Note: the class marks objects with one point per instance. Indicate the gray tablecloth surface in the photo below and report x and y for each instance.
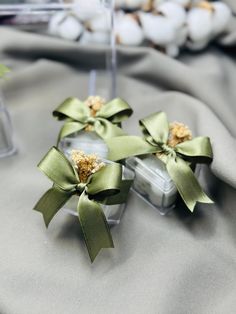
(179, 264)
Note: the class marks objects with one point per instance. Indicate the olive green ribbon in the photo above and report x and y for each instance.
(155, 129)
(78, 117)
(105, 187)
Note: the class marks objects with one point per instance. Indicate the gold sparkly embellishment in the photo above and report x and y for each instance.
(179, 133)
(85, 164)
(95, 103)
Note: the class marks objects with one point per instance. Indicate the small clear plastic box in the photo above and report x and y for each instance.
(113, 213)
(153, 183)
(87, 141)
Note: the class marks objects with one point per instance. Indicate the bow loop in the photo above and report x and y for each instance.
(106, 182)
(198, 150)
(58, 169)
(116, 110)
(157, 126)
(72, 108)
(79, 115)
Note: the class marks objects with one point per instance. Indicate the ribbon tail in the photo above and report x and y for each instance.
(51, 202)
(105, 129)
(94, 226)
(186, 183)
(125, 146)
(69, 128)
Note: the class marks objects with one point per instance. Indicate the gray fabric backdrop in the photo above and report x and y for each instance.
(179, 264)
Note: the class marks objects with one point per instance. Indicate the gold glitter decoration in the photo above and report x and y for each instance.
(85, 164)
(179, 133)
(95, 103)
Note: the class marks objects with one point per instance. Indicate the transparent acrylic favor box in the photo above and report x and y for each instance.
(87, 141)
(113, 213)
(152, 182)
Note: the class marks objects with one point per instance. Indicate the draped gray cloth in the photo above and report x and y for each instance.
(182, 263)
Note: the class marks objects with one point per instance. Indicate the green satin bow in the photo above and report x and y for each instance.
(105, 186)
(78, 117)
(177, 159)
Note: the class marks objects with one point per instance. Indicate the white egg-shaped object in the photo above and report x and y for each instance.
(100, 23)
(221, 17)
(55, 21)
(157, 28)
(87, 9)
(174, 12)
(128, 31)
(199, 23)
(198, 45)
(70, 28)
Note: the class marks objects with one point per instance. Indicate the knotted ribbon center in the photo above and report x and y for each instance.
(91, 120)
(80, 188)
(168, 150)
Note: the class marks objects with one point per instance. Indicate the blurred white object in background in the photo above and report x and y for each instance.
(167, 25)
(174, 12)
(65, 25)
(206, 21)
(221, 17)
(99, 23)
(127, 30)
(157, 29)
(199, 24)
